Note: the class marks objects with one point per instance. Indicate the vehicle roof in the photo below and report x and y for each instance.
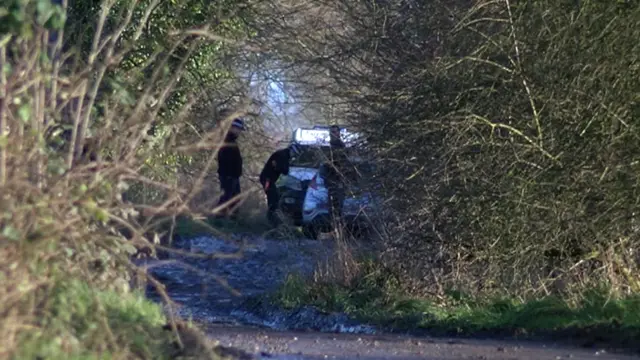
(329, 126)
(319, 136)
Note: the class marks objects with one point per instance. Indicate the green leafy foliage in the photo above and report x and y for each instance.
(16, 15)
(510, 139)
(204, 70)
(83, 317)
(82, 124)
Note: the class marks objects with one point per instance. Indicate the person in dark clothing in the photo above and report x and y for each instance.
(230, 169)
(276, 165)
(335, 141)
(335, 176)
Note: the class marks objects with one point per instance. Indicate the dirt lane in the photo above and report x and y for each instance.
(265, 266)
(303, 346)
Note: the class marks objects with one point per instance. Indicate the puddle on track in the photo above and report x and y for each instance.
(193, 283)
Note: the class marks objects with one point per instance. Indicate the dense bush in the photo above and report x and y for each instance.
(509, 135)
(88, 108)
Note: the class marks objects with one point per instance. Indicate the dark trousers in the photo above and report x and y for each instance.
(336, 194)
(273, 199)
(230, 187)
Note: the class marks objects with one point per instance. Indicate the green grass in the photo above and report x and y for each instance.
(77, 323)
(375, 298)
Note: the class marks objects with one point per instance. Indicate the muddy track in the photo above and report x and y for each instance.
(298, 345)
(263, 267)
(193, 282)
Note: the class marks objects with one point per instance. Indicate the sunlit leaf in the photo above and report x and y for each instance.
(57, 21)
(129, 248)
(45, 10)
(11, 233)
(6, 38)
(24, 112)
(101, 215)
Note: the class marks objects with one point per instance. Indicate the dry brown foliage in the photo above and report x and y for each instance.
(507, 133)
(76, 133)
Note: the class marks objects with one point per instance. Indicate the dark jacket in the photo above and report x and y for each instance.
(338, 163)
(338, 154)
(277, 165)
(230, 159)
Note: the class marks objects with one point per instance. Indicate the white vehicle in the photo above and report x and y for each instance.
(294, 188)
(360, 207)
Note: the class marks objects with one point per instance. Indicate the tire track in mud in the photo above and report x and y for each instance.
(262, 268)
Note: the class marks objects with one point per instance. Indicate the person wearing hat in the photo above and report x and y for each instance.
(276, 165)
(230, 169)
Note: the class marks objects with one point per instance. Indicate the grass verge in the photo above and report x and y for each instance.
(84, 324)
(374, 296)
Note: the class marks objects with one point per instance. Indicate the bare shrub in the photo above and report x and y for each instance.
(506, 133)
(82, 137)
